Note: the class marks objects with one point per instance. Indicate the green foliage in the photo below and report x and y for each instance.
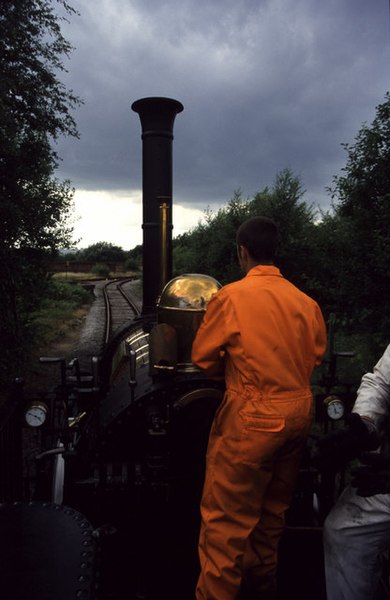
(35, 109)
(69, 255)
(367, 351)
(101, 270)
(362, 208)
(211, 246)
(135, 252)
(22, 285)
(58, 305)
(132, 264)
(296, 254)
(182, 256)
(102, 252)
(74, 294)
(367, 180)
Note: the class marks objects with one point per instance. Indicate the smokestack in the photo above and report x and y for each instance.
(157, 117)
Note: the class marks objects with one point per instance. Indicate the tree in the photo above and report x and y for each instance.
(362, 205)
(296, 255)
(211, 247)
(35, 109)
(103, 252)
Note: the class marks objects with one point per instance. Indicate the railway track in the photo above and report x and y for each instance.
(120, 307)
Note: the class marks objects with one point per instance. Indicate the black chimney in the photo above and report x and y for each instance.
(157, 117)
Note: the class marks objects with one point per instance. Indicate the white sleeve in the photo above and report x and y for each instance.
(373, 395)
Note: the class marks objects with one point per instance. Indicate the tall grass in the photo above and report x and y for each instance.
(50, 320)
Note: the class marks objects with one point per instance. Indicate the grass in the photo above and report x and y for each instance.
(70, 276)
(59, 311)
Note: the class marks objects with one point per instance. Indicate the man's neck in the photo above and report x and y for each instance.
(252, 263)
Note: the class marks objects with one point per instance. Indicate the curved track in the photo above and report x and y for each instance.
(120, 307)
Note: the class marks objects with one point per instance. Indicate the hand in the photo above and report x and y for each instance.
(342, 445)
(373, 477)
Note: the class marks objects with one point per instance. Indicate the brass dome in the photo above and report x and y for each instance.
(181, 306)
(191, 291)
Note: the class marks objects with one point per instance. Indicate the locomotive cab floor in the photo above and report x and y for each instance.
(157, 558)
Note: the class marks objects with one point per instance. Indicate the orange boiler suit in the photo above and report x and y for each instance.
(265, 337)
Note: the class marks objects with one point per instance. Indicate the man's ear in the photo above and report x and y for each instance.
(243, 252)
(243, 258)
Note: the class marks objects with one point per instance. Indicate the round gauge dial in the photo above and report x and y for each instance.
(35, 414)
(335, 408)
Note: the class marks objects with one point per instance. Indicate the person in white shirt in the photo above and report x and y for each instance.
(357, 529)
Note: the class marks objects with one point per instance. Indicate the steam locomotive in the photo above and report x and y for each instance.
(101, 475)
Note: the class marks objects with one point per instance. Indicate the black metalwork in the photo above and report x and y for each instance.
(157, 118)
(47, 552)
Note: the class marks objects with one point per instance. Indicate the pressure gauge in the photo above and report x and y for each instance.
(35, 414)
(334, 407)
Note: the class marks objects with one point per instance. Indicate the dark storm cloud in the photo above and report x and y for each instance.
(265, 85)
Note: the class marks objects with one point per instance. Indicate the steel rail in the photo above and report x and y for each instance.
(134, 306)
(109, 304)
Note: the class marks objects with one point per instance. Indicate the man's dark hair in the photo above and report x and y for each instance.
(259, 235)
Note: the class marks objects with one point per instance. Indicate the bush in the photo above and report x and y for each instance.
(74, 294)
(59, 305)
(132, 264)
(101, 270)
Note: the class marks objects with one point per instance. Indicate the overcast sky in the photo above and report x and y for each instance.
(265, 84)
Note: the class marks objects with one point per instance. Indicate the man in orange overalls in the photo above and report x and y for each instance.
(265, 336)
